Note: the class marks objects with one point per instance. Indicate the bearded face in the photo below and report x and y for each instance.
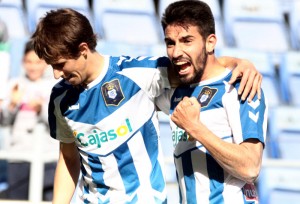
(196, 67)
(187, 51)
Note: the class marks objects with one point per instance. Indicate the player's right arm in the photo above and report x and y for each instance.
(66, 174)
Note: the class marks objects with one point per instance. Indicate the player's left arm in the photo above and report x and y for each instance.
(66, 173)
(251, 79)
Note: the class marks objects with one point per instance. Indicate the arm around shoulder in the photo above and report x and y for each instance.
(251, 78)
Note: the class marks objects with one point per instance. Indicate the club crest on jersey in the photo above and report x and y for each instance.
(206, 95)
(112, 93)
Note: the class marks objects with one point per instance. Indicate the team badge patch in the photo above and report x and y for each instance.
(206, 95)
(112, 93)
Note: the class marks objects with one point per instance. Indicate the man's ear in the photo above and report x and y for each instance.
(211, 41)
(83, 49)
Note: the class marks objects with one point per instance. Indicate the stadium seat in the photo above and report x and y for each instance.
(263, 62)
(279, 183)
(289, 73)
(38, 8)
(284, 132)
(294, 16)
(158, 50)
(16, 51)
(217, 12)
(127, 21)
(256, 25)
(286, 6)
(120, 48)
(12, 13)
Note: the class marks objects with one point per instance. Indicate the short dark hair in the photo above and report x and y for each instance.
(190, 12)
(59, 34)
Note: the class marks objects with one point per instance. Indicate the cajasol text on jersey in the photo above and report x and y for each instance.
(98, 137)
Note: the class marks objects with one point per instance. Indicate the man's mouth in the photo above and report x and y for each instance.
(68, 78)
(183, 67)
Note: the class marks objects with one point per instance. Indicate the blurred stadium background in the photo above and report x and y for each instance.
(267, 32)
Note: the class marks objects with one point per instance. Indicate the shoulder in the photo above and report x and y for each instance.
(140, 62)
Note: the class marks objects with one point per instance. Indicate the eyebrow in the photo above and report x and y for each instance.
(182, 38)
(58, 63)
(167, 39)
(187, 36)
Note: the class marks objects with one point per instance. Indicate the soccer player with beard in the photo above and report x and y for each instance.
(218, 137)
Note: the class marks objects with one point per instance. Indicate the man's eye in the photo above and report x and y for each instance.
(168, 44)
(58, 66)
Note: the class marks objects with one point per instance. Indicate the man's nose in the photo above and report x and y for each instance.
(177, 51)
(57, 73)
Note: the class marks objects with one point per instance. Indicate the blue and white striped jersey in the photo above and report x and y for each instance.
(115, 127)
(201, 179)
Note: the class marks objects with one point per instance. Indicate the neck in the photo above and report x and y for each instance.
(212, 69)
(95, 64)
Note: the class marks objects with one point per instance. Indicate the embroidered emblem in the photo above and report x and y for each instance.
(112, 93)
(206, 95)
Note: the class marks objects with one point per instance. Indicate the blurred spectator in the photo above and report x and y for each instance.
(4, 73)
(4, 58)
(3, 32)
(24, 109)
